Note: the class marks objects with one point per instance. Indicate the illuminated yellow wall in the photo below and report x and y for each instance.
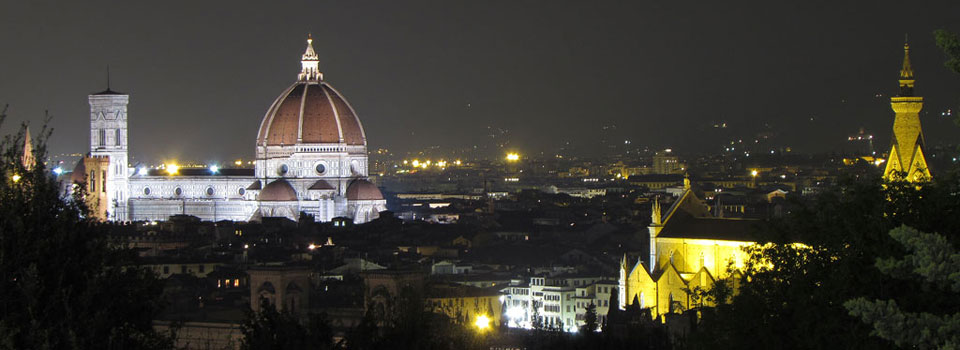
(695, 263)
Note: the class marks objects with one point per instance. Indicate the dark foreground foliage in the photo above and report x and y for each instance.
(61, 285)
(793, 297)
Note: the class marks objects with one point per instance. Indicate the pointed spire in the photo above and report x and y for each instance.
(27, 158)
(655, 217)
(686, 181)
(310, 63)
(906, 73)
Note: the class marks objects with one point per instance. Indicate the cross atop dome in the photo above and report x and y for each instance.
(310, 63)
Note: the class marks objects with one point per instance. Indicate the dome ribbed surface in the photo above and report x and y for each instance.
(310, 112)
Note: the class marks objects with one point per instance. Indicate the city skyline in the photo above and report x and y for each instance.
(660, 74)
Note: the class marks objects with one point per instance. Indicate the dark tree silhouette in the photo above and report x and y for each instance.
(62, 285)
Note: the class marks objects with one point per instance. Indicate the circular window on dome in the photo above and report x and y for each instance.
(178, 191)
(282, 170)
(210, 191)
(321, 168)
(146, 191)
(241, 191)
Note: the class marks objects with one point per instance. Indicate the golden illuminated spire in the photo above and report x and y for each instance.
(310, 63)
(906, 160)
(906, 73)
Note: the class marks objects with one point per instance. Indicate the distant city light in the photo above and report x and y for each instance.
(513, 157)
(58, 171)
(238, 162)
(457, 162)
(415, 163)
(754, 173)
(15, 178)
(172, 168)
(312, 246)
(214, 169)
(142, 171)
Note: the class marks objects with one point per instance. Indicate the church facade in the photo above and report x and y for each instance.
(311, 157)
(689, 249)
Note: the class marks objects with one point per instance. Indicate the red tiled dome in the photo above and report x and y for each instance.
(310, 112)
(363, 190)
(279, 190)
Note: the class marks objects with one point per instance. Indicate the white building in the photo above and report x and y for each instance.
(311, 157)
(561, 301)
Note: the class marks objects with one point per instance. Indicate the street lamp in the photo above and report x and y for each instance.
(482, 322)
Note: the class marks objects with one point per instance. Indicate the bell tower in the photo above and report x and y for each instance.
(108, 139)
(906, 160)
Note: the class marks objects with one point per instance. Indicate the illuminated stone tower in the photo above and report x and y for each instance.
(108, 140)
(906, 152)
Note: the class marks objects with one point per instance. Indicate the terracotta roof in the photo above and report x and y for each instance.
(322, 185)
(310, 112)
(363, 190)
(279, 190)
(256, 185)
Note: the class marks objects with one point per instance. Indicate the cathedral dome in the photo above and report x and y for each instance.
(360, 190)
(279, 190)
(310, 112)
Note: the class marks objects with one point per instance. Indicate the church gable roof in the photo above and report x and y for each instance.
(684, 225)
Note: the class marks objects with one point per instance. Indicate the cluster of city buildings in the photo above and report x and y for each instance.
(517, 243)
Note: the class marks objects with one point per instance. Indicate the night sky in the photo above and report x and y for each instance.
(201, 74)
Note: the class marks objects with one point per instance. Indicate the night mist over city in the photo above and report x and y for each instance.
(502, 175)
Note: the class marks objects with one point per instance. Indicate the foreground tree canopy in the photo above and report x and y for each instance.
(794, 296)
(61, 285)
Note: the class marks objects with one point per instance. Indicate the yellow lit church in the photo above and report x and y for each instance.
(689, 248)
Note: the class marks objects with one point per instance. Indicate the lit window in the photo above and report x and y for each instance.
(236, 282)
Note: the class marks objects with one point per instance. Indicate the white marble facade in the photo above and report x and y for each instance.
(311, 156)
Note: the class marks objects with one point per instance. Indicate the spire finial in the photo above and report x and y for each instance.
(906, 71)
(655, 216)
(108, 77)
(310, 63)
